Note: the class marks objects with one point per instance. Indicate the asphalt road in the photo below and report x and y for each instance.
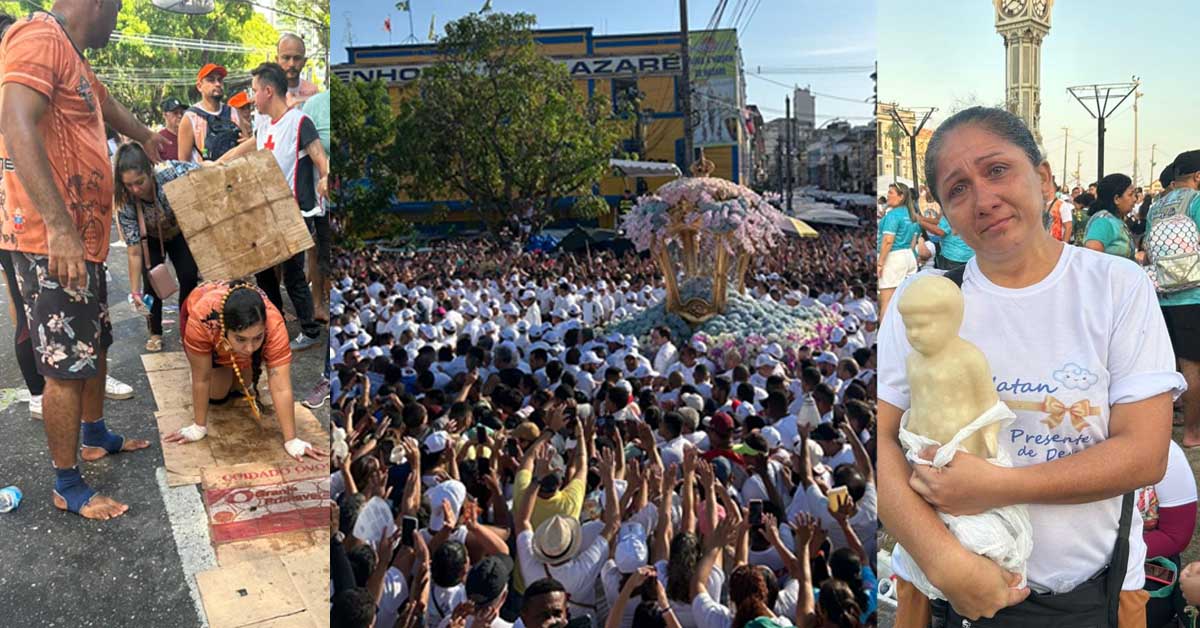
(58, 569)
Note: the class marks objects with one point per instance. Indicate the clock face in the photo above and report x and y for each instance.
(1012, 8)
(1039, 8)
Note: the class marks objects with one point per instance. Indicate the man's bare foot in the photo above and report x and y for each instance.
(91, 454)
(98, 507)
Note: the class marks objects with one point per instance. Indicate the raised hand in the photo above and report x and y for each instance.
(804, 528)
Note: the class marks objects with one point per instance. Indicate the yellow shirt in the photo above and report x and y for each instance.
(568, 502)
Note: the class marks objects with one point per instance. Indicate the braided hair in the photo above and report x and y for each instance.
(241, 308)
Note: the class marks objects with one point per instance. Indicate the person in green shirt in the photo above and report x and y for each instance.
(1106, 229)
(1181, 309)
(897, 231)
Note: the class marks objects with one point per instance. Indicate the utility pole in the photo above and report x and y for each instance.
(912, 140)
(779, 163)
(1102, 110)
(1136, 96)
(787, 103)
(1066, 141)
(685, 87)
(1078, 164)
(1153, 147)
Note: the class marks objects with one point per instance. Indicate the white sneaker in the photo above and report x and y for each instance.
(23, 395)
(114, 389)
(35, 407)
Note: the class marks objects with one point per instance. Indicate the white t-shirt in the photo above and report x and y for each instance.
(683, 610)
(578, 576)
(395, 594)
(1099, 337)
(1177, 488)
(442, 602)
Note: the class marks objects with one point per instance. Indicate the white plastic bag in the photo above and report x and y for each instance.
(1003, 535)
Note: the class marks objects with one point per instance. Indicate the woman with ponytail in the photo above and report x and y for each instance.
(897, 231)
(142, 206)
(230, 330)
(1106, 229)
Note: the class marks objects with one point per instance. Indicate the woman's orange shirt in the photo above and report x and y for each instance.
(202, 333)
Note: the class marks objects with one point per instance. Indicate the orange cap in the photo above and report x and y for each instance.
(209, 68)
(239, 100)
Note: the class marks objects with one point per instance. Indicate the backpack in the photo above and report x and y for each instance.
(222, 135)
(1172, 244)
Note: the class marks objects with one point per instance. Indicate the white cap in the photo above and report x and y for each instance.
(825, 357)
(590, 358)
(352, 328)
(450, 490)
(771, 435)
(631, 552)
(838, 334)
(551, 337)
(427, 331)
(510, 310)
(437, 442)
(527, 295)
(700, 347)
(448, 325)
(489, 327)
(559, 313)
(364, 339)
(508, 333)
(643, 371)
(693, 401)
(765, 359)
(871, 317)
(522, 326)
(375, 352)
(774, 350)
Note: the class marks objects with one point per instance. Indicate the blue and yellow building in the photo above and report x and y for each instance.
(612, 65)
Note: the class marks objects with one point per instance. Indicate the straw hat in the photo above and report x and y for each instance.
(557, 540)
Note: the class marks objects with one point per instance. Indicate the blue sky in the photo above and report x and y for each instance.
(950, 55)
(781, 34)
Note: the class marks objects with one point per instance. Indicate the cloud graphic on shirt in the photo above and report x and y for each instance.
(1075, 377)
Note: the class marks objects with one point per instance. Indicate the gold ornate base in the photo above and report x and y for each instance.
(697, 311)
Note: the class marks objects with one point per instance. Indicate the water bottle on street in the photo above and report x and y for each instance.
(10, 498)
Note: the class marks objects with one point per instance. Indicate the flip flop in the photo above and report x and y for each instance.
(154, 344)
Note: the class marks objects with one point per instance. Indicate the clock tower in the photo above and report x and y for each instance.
(1022, 24)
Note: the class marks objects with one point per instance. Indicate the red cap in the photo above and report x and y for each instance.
(721, 423)
(239, 100)
(209, 68)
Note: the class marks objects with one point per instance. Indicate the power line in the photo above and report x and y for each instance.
(815, 69)
(823, 95)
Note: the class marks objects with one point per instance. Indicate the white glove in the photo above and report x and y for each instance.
(296, 447)
(194, 432)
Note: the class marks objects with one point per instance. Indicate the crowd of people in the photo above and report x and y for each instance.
(499, 458)
(65, 181)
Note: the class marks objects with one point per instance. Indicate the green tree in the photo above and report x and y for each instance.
(363, 133)
(499, 124)
(141, 75)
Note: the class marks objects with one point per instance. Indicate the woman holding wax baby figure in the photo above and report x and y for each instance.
(230, 331)
(1079, 352)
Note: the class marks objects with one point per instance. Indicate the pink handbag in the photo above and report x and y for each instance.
(161, 281)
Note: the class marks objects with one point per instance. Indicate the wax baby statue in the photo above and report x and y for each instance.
(954, 407)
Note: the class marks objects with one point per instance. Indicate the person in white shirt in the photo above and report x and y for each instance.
(484, 593)
(665, 353)
(556, 549)
(1114, 357)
